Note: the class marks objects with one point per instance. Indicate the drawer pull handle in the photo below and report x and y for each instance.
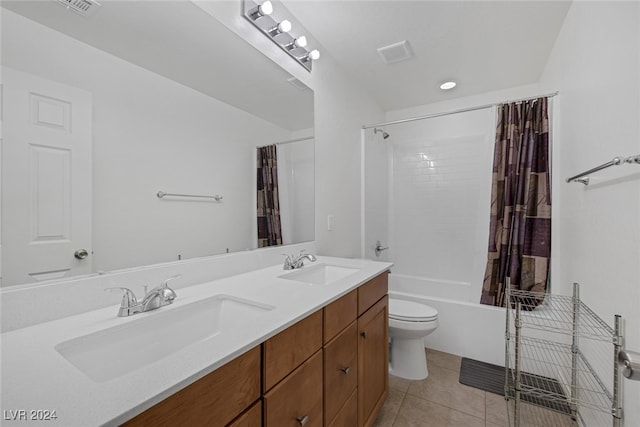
(303, 420)
(346, 370)
(364, 334)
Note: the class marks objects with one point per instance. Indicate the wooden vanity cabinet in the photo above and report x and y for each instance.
(330, 369)
(214, 400)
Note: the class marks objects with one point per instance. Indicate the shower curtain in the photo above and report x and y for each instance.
(269, 228)
(520, 224)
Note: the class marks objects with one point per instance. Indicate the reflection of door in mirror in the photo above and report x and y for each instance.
(47, 158)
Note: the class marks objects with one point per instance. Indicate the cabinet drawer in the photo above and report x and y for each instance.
(348, 415)
(296, 397)
(370, 292)
(339, 314)
(287, 350)
(340, 370)
(213, 400)
(251, 418)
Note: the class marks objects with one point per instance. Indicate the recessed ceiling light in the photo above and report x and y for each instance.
(447, 85)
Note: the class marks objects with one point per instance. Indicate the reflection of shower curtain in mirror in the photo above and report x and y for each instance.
(268, 205)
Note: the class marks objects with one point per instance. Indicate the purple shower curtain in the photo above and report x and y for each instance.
(269, 229)
(520, 225)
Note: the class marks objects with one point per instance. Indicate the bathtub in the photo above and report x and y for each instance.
(466, 328)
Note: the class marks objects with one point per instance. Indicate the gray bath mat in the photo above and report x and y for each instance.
(488, 377)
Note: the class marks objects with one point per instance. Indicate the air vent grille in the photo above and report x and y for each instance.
(82, 7)
(396, 52)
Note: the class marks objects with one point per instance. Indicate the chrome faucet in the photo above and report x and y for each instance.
(292, 262)
(157, 297)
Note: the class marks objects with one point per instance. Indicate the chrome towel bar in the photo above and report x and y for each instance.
(162, 194)
(584, 179)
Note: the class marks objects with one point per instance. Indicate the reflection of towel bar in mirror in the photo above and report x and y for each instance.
(162, 194)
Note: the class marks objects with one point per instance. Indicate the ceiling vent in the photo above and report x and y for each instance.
(82, 7)
(396, 52)
(298, 84)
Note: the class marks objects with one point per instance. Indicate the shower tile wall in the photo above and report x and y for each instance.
(440, 198)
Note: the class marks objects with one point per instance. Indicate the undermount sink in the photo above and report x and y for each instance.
(116, 351)
(320, 274)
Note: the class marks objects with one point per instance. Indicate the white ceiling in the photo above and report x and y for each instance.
(482, 45)
(178, 40)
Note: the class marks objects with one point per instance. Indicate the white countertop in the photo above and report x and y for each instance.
(36, 377)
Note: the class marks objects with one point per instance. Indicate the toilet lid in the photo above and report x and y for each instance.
(411, 311)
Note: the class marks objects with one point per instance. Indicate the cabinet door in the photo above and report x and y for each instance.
(340, 370)
(213, 400)
(297, 400)
(251, 418)
(373, 362)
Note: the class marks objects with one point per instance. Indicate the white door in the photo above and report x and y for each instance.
(46, 179)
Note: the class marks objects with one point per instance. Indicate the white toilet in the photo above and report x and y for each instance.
(409, 323)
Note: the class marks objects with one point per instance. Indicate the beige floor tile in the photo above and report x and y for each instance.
(443, 360)
(416, 412)
(531, 416)
(442, 387)
(390, 408)
(399, 384)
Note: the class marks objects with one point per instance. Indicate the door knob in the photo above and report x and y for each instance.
(81, 254)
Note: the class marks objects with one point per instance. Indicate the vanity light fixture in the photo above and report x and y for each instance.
(263, 17)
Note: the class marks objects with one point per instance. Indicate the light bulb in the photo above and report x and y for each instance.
(301, 41)
(264, 9)
(314, 54)
(284, 26)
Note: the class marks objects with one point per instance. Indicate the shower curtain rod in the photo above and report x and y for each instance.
(291, 141)
(462, 110)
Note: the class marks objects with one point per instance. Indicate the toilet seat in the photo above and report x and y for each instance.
(410, 311)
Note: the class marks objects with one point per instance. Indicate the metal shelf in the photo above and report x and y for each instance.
(554, 313)
(549, 369)
(547, 380)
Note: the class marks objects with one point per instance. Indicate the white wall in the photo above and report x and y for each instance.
(151, 134)
(595, 65)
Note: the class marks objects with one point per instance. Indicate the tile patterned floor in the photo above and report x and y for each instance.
(441, 401)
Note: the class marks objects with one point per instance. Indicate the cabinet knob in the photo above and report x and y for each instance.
(363, 334)
(346, 370)
(303, 420)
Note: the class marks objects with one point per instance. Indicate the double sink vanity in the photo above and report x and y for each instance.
(303, 347)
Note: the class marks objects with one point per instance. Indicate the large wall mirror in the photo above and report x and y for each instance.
(101, 112)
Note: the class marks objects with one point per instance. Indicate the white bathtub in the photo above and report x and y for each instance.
(468, 329)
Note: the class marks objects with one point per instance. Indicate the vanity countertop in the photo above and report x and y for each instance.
(35, 377)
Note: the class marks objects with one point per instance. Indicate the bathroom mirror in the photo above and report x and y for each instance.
(171, 100)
